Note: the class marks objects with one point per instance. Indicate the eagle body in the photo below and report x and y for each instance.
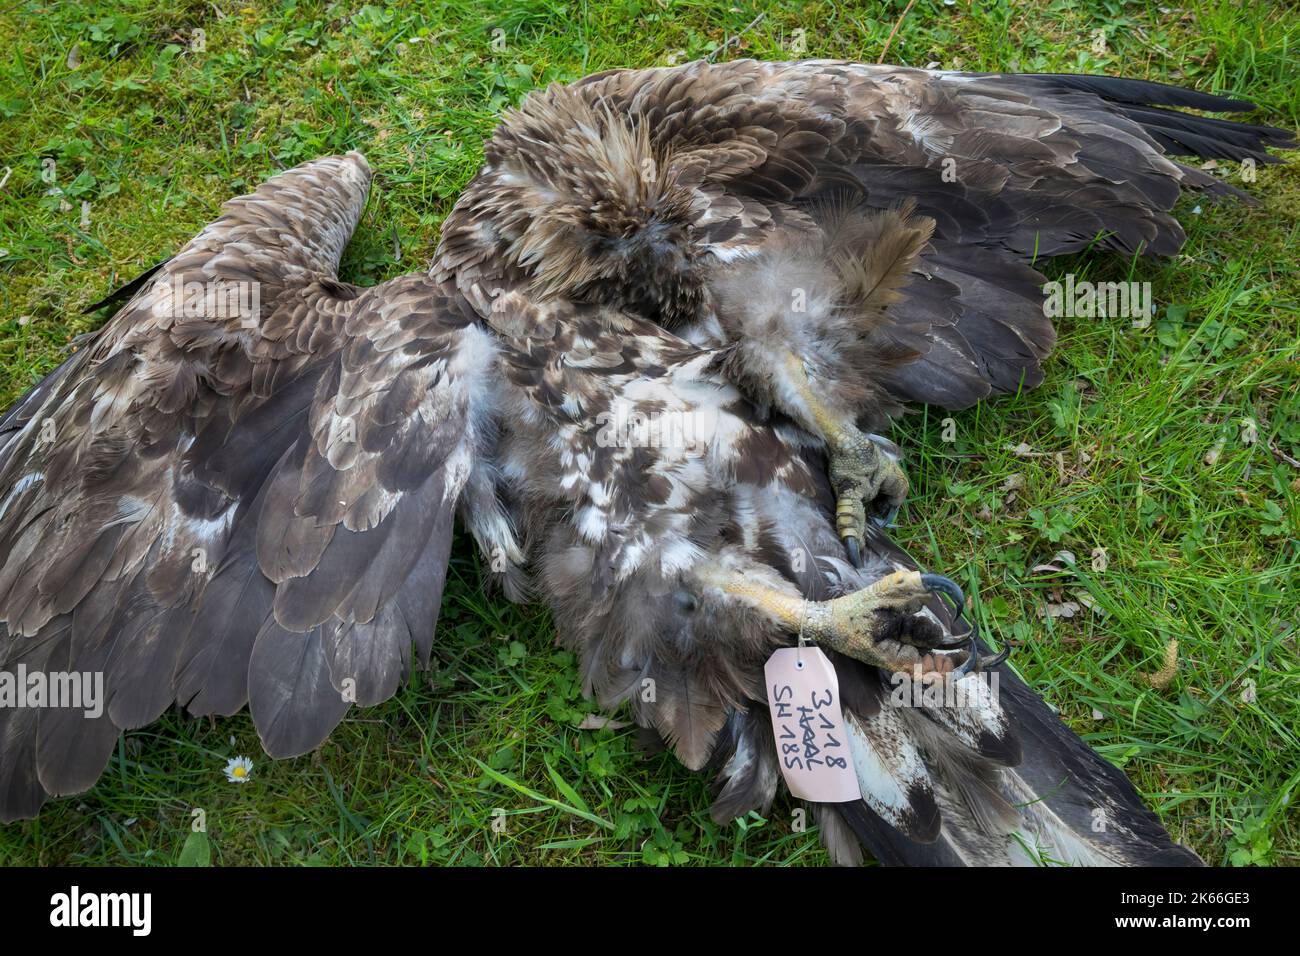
(656, 320)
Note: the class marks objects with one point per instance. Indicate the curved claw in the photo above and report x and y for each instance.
(886, 520)
(969, 664)
(974, 663)
(942, 585)
(996, 659)
(945, 585)
(957, 643)
(855, 551)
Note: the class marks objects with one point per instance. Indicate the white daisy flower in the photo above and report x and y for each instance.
(239, 769)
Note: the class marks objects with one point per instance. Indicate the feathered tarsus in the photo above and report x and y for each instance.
(773, 254)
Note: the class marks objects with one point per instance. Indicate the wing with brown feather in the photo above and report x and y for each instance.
(683, 178)
(218, 509)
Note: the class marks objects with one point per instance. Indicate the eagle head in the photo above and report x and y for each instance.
(591, 210)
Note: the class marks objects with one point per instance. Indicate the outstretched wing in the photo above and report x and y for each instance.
(1009, 168)
(241, 491)
(1039, 164)
(661, 184)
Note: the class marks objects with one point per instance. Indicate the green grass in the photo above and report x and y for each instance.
(155, 136)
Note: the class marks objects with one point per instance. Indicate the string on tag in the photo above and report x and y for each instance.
(803, 641)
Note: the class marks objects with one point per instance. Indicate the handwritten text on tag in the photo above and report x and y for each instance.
(803, 694)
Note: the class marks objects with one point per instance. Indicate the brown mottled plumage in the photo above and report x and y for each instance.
(220, 510)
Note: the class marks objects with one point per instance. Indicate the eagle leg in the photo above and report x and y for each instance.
(866, 478)
(866, 481)
(878, 624)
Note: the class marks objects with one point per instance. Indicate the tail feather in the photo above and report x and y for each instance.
(893, 775)
(1086, 805)
(744, 761)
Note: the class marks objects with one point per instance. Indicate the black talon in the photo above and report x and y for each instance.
(969, 664)
(854, 550)
(973, 663)
(941, 585)
(976, 663)
(957, 643)
(996, 659)
(887, 519)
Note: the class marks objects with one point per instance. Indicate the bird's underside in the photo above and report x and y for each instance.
(645, 369)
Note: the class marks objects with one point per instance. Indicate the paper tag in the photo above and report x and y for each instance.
(812, 745)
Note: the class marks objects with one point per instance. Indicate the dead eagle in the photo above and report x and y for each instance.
(255, 505)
